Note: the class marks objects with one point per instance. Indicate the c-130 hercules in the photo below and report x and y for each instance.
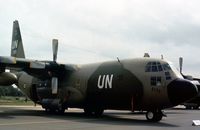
(144, 84)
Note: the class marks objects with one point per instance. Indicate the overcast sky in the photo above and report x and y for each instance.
(100, 30)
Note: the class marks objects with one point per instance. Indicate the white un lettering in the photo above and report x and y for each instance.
(105, 81)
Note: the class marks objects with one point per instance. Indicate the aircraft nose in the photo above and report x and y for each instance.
(181, 90)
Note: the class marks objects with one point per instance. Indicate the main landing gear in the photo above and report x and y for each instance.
(154, 115)
(53, 106)
(56, 111)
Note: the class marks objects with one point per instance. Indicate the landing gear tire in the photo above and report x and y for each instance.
(60, 110)
(97, 112)
(154, 116)
(55, 111)
(196, 107)
(188, 107)
(48, 110)
(87, 111)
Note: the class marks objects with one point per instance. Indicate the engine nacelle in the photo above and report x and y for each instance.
(7, 78)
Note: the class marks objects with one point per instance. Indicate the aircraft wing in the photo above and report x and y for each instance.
(39, 69)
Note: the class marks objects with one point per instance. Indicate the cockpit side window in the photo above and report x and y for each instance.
(159, 66)
(166, 67)
(153, 67)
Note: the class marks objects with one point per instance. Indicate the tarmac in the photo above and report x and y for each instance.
(35, 118)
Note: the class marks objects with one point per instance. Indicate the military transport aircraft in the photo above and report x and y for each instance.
(146, 84)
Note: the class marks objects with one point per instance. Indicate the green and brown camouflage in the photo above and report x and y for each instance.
(140, 84)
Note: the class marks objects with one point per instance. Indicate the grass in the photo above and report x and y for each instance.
(9, 100)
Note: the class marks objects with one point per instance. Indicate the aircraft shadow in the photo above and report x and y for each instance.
(109, 118)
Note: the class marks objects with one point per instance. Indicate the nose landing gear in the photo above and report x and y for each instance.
(154, 115)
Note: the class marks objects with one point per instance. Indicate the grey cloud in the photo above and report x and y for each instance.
(90, 30)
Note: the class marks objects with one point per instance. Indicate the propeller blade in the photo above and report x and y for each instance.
(54, 85)
(55, 49)
(181, 64)
(198, 79)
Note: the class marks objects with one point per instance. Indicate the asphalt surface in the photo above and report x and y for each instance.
(35, 118)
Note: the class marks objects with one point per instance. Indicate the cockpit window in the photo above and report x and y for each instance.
(166, 67)
(153, 67)
(175, 70)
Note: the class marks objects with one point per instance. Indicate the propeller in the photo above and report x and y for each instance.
(189, 77)
(55, 49)
(54, 79)
(181, 69)
(52, 67)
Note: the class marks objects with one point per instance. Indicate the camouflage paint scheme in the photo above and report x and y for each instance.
(121, 84)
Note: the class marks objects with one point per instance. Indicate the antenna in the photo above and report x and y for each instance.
(162, 57)
(119, 62)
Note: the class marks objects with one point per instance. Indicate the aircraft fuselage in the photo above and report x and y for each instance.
(133, 84)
